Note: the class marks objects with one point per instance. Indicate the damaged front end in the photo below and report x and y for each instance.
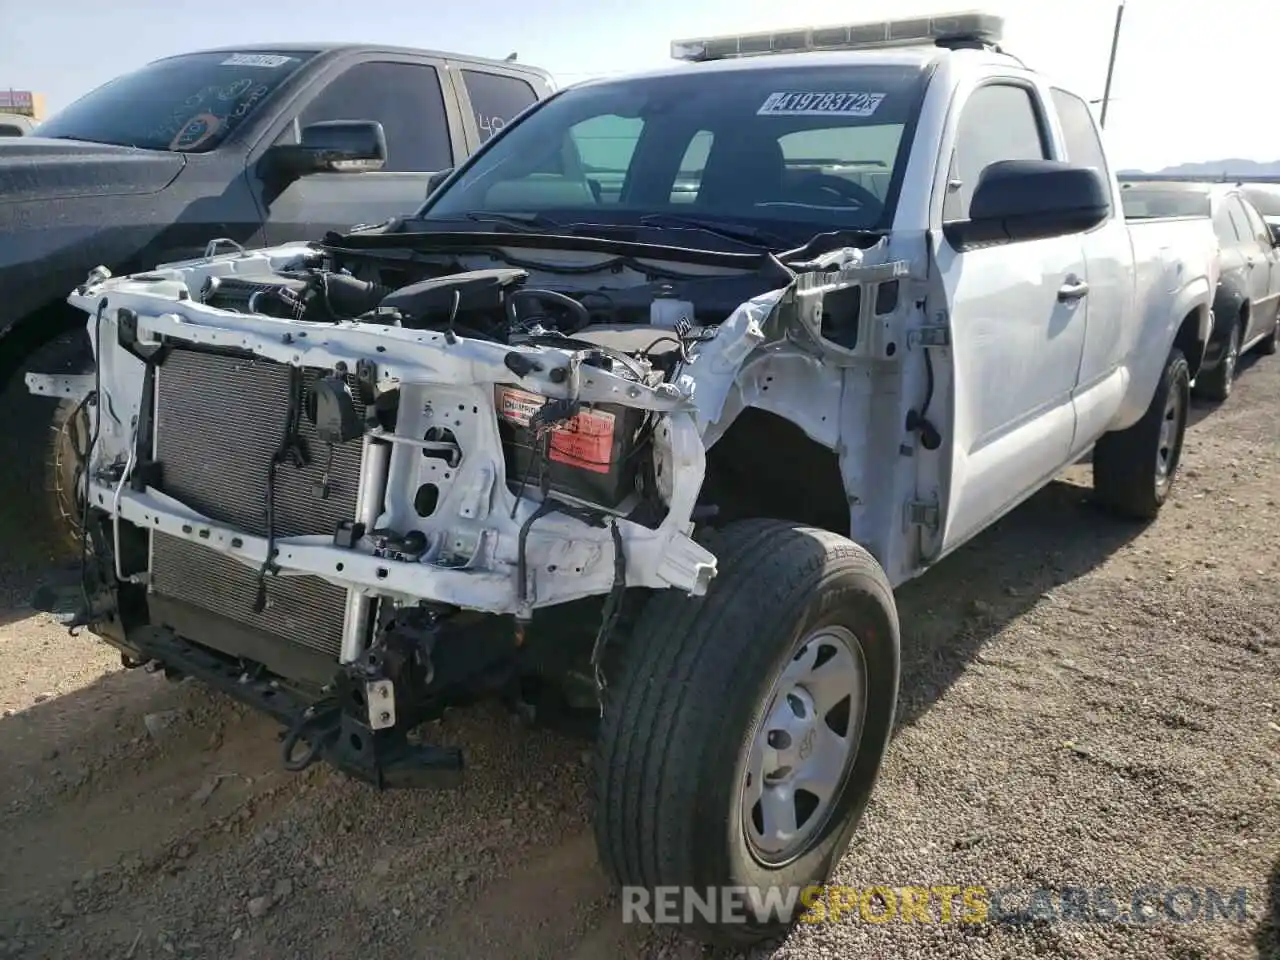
(316, 473)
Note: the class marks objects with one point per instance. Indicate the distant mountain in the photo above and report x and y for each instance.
(1219, 168)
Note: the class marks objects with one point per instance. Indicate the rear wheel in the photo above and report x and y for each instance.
(1217, 383)
(745, 729)
(1272, 343)
(1134, 469)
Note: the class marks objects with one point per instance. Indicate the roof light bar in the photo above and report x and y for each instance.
(970, 25)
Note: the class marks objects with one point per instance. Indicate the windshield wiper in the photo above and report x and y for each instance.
(533, 222)
(742, 234)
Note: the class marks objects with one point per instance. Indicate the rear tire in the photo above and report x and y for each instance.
(1217, 383)
(1269, 346)
(1134, 469)
(721, 706)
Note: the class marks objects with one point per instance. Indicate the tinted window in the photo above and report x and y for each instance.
(189, 103)
(495, 99)
(1257, 226)
(1224, 225)
(780, 146)
(1084, 147)
(1266, 199)
(412, 117)
(999, 122)
(1143, 202)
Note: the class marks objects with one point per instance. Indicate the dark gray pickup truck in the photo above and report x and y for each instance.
(252, 145)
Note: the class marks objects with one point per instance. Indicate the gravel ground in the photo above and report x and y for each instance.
(1084, 703)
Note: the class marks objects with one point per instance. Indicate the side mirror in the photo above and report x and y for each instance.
(1031, 200)
(434, 181)
(333, 146)
(1275, 233)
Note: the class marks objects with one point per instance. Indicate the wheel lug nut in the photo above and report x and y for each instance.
(779, 739)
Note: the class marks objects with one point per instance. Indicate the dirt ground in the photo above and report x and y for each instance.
(1085, 702)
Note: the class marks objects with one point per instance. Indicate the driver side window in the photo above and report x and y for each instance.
(413, 120)
(605, 146)
(1000, 121)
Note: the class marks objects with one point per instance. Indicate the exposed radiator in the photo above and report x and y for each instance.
(219, 421)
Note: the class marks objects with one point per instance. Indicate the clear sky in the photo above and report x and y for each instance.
(1194, 81)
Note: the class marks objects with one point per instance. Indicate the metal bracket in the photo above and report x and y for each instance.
(923, 513)
(381, 697)
(930, 335)
(72, 387)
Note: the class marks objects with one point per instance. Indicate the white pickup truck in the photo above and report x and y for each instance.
(656, 400)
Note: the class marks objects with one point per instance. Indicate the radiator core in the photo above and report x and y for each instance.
(219, 421)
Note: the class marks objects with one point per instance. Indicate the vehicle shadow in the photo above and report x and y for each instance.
(1201, 408)
(951, 611)
(1267, 937)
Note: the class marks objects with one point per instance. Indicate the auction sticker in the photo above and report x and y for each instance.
(793, 103)
(585, 441)
(256, 60)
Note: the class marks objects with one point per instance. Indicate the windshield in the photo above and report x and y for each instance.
(1266, 199)
(189, 103)
(798, 151)
(1143, 202)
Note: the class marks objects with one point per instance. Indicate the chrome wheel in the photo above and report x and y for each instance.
(805, 744)
(1167, 449)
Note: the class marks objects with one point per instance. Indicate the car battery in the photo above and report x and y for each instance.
(589, 457)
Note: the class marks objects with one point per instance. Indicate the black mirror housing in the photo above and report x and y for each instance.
(1275, 233)
(1030, 200)
(333, 146)
(437, 178)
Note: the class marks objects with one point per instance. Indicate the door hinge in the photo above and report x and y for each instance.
(923, 513)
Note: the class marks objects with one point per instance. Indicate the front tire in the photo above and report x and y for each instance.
(62, 447)
(771, 697)
(1217, 383)
(1134, 469)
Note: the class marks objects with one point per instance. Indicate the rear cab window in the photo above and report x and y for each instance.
(1152, 201)
(1080, 133)
(496, 99)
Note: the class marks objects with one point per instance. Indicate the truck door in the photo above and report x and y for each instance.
(1017, 318)
(1108, 249)
(415, 105)
(1264, 272)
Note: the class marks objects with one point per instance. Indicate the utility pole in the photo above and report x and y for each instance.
(1111, 64)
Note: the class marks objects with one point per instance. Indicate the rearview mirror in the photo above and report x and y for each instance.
(436, 179)
(1030, 200)
(333, 146)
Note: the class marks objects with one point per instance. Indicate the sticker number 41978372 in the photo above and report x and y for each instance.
(834, 103)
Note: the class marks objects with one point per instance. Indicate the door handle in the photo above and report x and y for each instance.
(1073, 289)
(1249, 261)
